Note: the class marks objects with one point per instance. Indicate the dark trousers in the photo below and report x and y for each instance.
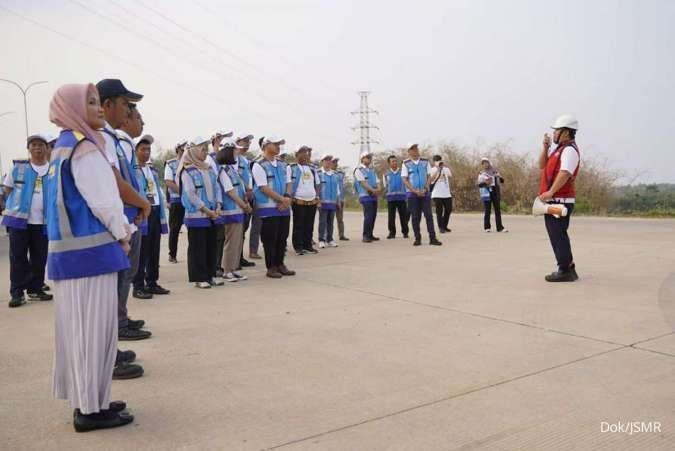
(303, 225)
(201, 253)
(369, 216)
(392, 207)
(176, 215)
(220, 244)
(443, 211)
(495, 200)
(274, 235)
(560, 240)
(27, 259)
(148, 261)
(125, 279)
(419, 206)
(339, 216)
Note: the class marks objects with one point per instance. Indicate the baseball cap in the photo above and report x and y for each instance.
(484, 159)
(39, 136)
(336, 159)
(112, 87)
(145, 138)
(49, 138)
(222, 132)
(273, 139)
(229, 142)
(411, 145)
(197, 140)
(365, 154)
(326, 157)
(181, 143)
(241, 136)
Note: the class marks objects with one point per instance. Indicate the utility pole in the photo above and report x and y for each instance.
(24, 91)
(364, 126)
(2, 173)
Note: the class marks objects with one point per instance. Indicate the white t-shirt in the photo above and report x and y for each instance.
(259, 174)
(151, 188)
(307, 185)
(569, 160)
(404, 169)
(225, 181)
(358, 175)
(110, 148)
(442, 187)
(212, 163)
(36, 214)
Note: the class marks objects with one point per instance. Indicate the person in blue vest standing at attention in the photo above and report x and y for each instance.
(416, 175)
(340, 210)
(202, 201)
(367, 188)
(273, 205)
(395, 195)
(329, 193)
(235, 207)
(176, 210)
(559, 170)
(304, 184)
(155, 226)
(24, 217)
(116, 101)
(243, 143)
(88, 241)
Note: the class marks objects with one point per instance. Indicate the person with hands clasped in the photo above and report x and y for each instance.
(368, 189)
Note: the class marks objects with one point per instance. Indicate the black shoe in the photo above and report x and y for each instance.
(105, 419)
(311, 250)
(142, 294)
(447, 230)
(375, 238)
(344, 238)
(573, 269)
(441, 230)
(156, 289)
(417, 242)
(367, 240)
(405, 235)
(246, 264)
(40, 296)
(300, 252)
(17, 301)
(126, 370)
(125, 357)
(172, 259)
(135, 324)
(114, 406)
(391, 236)
(435, 242)
(560, 276)
(128, 334)
(46, 287)
(284, 271)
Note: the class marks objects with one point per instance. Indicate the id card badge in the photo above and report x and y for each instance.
(151, 199)
(38, 186)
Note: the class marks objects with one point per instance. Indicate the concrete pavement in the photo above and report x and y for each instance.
(388, 346)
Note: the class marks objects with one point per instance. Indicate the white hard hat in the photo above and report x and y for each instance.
(566, 121)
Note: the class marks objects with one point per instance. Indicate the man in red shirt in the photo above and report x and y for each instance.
(560, 167)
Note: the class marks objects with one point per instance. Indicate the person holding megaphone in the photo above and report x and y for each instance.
(559, 166)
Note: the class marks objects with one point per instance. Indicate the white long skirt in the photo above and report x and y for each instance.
(86, 340)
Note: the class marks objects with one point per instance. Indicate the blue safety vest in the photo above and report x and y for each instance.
(231, 212)
(127, 171)
(395, 188)
(193, 216)
(276, 180)
(329, 190)
(417, 175)
(244, 168)
(371, 180)
(174, 198)
(341, 185)
(79, 244)
(162, 206)
(18, 204)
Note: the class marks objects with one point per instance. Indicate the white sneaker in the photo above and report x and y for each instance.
(488, 230)
(230, 277)
(332, 244)
(217, 282)
(202, 285)
(239, 275)
(322, 244)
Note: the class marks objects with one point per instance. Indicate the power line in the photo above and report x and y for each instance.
(364, 126)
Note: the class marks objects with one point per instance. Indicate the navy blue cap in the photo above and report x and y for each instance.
(112, 87)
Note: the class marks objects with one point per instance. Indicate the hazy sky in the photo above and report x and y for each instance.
(466, 71)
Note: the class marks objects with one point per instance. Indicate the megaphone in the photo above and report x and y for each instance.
(540, 208)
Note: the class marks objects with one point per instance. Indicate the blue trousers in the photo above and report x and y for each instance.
(369, 215)
(326, 219)
(418, 206)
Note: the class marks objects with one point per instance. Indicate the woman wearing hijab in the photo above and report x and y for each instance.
(489, 181)
(201, 198)
(88, 242)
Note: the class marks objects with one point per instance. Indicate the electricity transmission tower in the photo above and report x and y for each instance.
(364, 126)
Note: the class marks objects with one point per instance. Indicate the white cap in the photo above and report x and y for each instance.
(241, 136)
(148, 138)
(197, 140)
(229, 142)
(39, 136)
(326, 156)
(181, 143)
(222, 132)
(566, 121)
(365, 154)
(273, 139)
(484, 159)
(49, 138)
(411, 145)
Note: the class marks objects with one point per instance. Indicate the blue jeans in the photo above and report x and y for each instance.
(369, 216)
(326, 218)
